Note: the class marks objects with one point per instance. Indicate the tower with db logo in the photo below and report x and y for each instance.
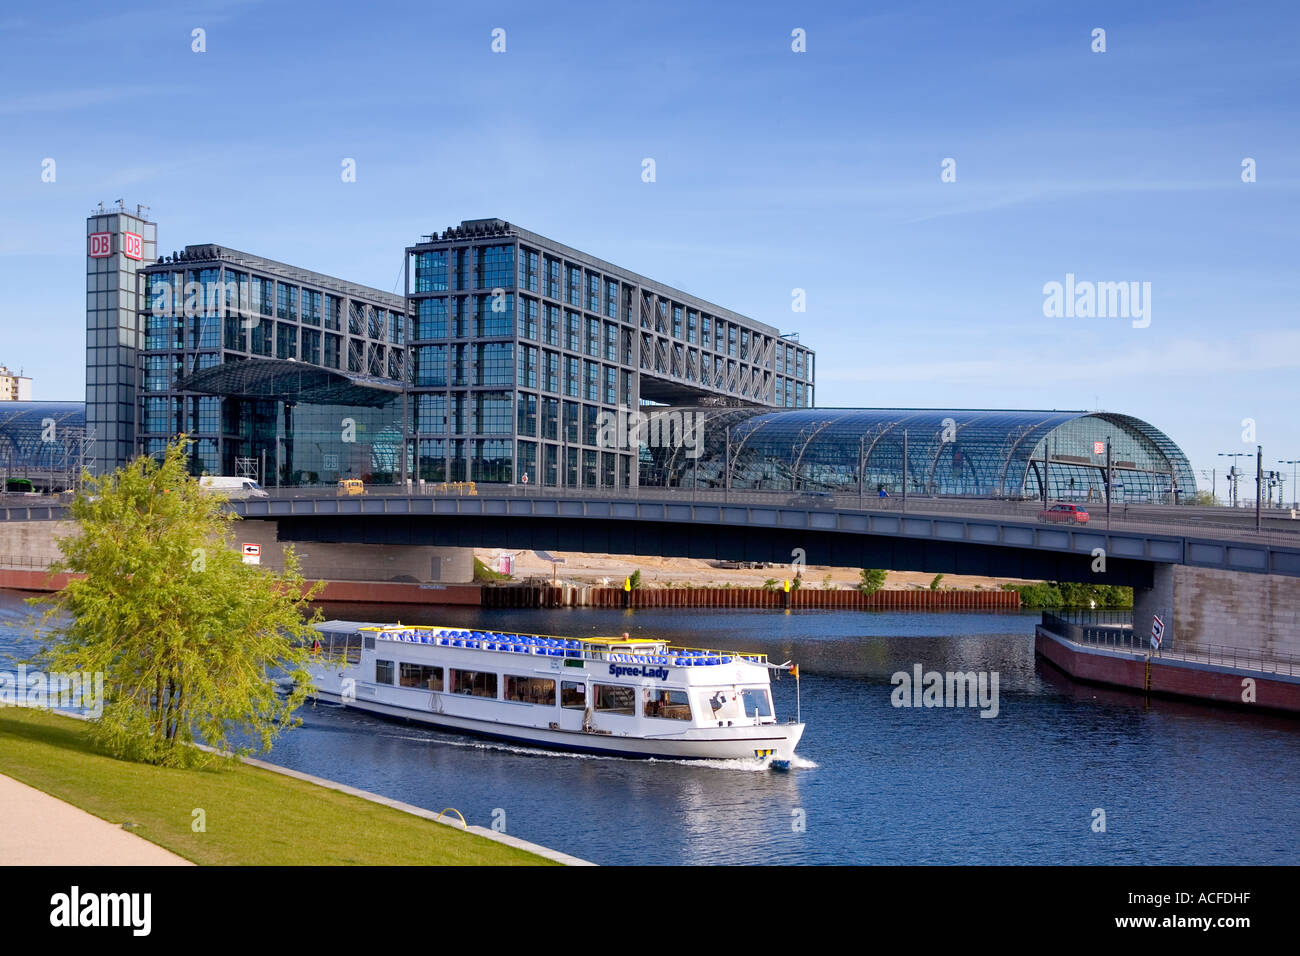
(118, 244)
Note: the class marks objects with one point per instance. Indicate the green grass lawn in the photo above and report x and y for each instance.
(254, 816)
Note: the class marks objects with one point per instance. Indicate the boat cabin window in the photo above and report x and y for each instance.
(573, 694)
(421, 675)
(615, 699)
(383, 672)
(667, 704)
(474, 683)
(530, 690)
(757, 702)
(720, 704)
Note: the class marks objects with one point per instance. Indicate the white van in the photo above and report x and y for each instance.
(242, 488)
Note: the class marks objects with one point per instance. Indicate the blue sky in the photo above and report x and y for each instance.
(775, 170)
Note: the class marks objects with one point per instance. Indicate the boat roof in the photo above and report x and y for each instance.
(346, 627)
(596, 644)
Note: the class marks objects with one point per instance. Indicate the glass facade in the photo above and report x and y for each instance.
(564, 324)
(948, 452)
(276, 372)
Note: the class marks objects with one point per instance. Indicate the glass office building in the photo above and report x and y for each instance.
(983, 453)
(277, 372)
(521, 344)
(503, 361)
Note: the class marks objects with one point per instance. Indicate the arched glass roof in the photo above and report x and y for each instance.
(997, 453)
(41, 437)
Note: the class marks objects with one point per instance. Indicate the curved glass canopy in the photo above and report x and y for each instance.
(972, 452)
(42, 438)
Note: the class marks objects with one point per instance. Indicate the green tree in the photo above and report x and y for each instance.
(872, 580)
(934, 584)
(188, 637)
(634, 580)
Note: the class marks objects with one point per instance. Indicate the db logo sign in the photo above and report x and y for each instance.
(132, 246)
(101, 245)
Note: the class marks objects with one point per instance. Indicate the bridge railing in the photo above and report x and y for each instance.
(26, 561)
(1182, 520)
(1174, 520)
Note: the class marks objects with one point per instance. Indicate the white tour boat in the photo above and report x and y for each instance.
(620, 696)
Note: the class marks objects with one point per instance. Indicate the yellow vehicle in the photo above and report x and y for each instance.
(351, 486)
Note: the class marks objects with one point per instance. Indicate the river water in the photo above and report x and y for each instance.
(1177, 782)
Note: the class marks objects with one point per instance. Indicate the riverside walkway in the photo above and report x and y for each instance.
(41, 830)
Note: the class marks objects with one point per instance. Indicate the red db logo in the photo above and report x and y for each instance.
(132, 246)
(101, 245)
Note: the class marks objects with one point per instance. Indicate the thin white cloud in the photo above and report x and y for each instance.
(61, 101)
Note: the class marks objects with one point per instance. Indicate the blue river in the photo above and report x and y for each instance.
(1178, 783)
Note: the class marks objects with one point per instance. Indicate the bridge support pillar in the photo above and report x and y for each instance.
(1258, 613)
(1157, 599)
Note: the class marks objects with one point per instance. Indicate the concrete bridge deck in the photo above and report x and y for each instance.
(778, 522)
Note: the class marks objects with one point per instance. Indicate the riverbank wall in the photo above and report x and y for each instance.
(1192, 673)
(554, 596)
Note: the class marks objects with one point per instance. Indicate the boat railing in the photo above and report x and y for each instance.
(331, 647)
(569, 648)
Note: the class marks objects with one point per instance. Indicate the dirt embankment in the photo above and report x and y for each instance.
(611, 569)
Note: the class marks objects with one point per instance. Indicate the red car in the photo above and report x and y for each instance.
(1071, 513)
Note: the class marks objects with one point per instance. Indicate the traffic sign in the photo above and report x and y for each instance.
(252, 553)
(1157, 631)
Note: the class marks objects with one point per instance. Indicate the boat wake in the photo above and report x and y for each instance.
(748, 765)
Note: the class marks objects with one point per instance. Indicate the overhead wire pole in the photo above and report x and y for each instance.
(904, 469)
(1295, 494)
(726, 484)
(1045, 468)
(1259, 485)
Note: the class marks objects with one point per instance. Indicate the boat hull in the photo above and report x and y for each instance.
(774, 742)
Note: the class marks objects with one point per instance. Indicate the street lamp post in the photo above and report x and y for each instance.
(1110, 478)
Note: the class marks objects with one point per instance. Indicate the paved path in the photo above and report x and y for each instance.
(37, 829)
